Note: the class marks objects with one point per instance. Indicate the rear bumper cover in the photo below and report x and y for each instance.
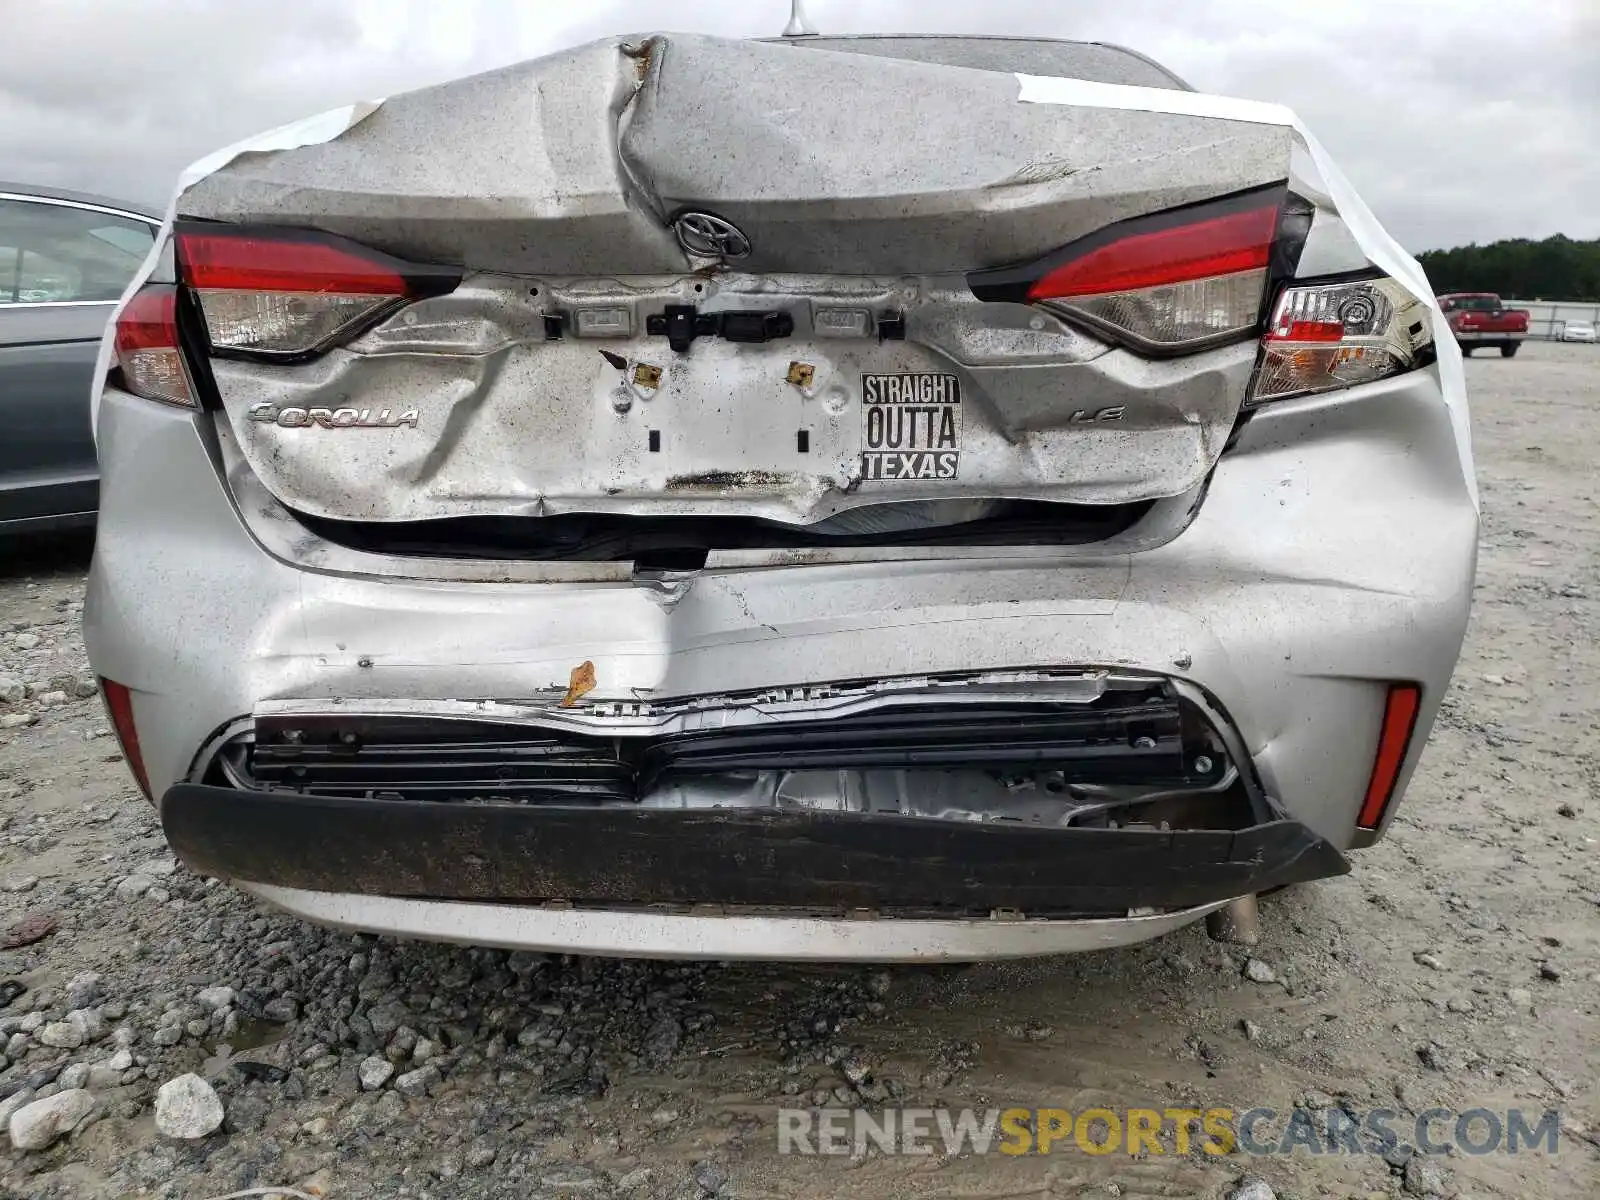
(819, 863)
(1333, 553)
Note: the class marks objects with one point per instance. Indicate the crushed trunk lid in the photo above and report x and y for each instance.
(831, 359)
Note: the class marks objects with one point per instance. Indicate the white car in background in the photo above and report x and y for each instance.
(1578, 331)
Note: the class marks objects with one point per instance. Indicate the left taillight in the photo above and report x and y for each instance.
(147, 349)
(273, 293)
(1170, 283)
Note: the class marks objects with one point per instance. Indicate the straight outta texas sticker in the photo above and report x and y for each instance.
(910, 426)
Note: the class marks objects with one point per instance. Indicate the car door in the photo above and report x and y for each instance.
(63, 264)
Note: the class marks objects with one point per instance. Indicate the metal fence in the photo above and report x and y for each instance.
(1548, 318)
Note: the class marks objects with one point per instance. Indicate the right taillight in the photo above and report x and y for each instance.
(1169, 283)
(1324, 336)
(276, 293)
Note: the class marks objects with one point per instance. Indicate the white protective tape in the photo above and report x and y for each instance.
(323, 127)
(1382, 251)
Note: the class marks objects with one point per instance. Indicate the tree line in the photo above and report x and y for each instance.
(1556, 268)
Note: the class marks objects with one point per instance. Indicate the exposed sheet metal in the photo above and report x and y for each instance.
(644, 716)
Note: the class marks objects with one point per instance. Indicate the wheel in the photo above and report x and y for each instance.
(1508, 351)
(1466, 351)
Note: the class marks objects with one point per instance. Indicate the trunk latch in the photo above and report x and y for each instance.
(681, 324)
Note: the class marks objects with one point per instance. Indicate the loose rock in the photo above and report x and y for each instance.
(214, 999)
(134, 886)
(188, 1108)
(1259, 972)
(374, 1072)
(418, 1082)
(83, 989)
(1424, 1176)
(709, 1178)
(17, 1100)
(61, 1035)
(282, 1009)
(34, 1126)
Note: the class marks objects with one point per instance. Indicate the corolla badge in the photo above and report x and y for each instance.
(333, 418)
(708, 235)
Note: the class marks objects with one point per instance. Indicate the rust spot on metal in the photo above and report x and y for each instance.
(801, 374)
(580, 684)
(641, 53)
(647, 375)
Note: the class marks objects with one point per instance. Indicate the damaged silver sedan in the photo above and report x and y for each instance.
(883, 498)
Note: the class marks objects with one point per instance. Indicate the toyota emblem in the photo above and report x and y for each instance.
(710, 236)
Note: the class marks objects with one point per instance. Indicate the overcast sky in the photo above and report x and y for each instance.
(1458, 120)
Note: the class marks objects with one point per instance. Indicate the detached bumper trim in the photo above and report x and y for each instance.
(830, 862)
(760, 938)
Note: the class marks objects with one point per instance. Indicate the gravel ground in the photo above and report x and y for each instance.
(1457, 966)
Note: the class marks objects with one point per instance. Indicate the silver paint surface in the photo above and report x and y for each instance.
(1286, 575)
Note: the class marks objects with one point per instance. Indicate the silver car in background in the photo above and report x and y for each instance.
(882, 498)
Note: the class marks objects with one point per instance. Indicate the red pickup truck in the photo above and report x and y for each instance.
(1480, 319)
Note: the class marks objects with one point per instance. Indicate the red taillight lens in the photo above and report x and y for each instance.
(1394, 739)
(146, 344)
(119, 707)
(287, 293)
(1219, 246)
(255, 263)
(1169, 283)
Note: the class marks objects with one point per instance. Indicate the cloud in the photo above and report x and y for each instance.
(1458, 120)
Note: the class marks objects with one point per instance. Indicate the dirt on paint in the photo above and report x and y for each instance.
(1458, 966)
